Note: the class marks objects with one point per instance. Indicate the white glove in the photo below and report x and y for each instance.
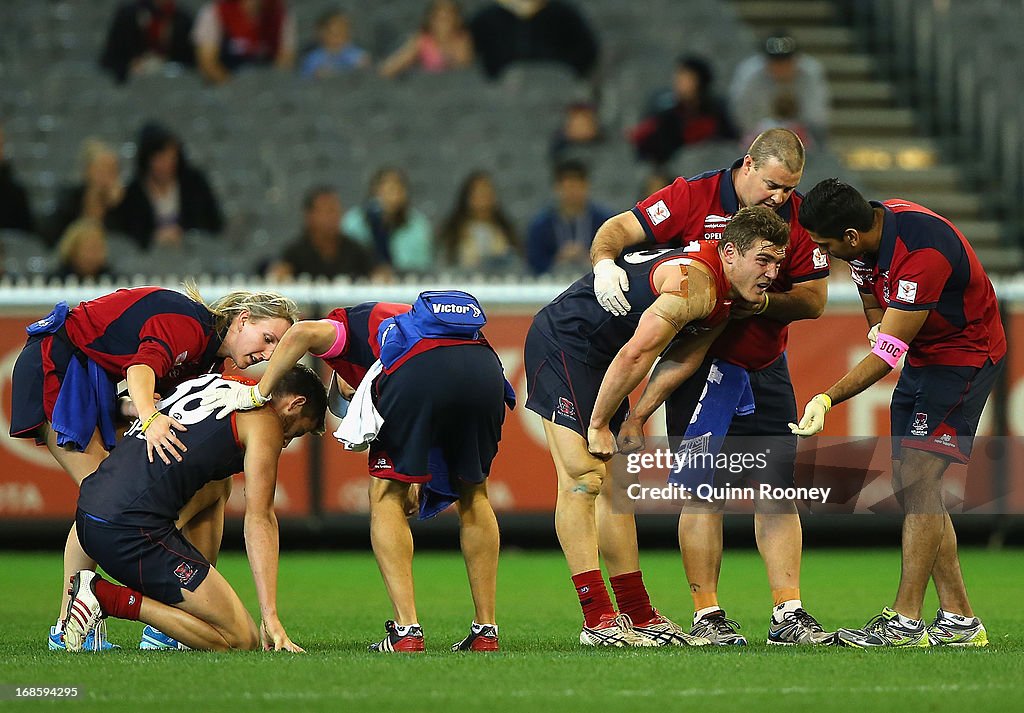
(814, 416)
(610, 282)
(233, 396)
(873, 335)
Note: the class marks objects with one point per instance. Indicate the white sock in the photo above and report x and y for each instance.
(959, 618)
(59, 626)
(788, 606)
(477, 628)
(908, 622)
(701, 613)
(403, 630)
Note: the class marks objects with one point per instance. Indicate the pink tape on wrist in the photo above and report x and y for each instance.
(889, 349)
(339, 342)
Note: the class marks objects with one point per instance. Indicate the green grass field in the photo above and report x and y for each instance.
(334, 605)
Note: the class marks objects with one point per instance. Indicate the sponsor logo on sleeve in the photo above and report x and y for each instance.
(906, 291)
(658, 213)
(820, 260)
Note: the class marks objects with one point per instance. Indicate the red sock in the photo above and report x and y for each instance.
(117, 601)
(593, 596)
(632, 597)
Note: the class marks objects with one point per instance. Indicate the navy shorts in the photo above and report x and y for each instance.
(561, 389)
(937, 408)
(35, 383)
(449, 399)
(157, 561)
(764, 431)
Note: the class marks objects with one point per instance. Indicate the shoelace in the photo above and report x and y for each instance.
(722, 624)
(624, 622)
(99, 635)
(805, 620)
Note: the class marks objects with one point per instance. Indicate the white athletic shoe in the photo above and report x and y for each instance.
(614, 630)
(84, 612)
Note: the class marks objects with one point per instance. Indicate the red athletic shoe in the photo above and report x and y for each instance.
(482, 637)
(411, 642)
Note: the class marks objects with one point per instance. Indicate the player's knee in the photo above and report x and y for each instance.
(244, 637)
(588, 484)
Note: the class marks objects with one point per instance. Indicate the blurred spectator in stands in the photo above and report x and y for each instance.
(560, 235)
(786, 115)
(780, 70)
(15, 213)
(477, 235)
(579, 133)
(98, 196)
(144, 35)
(322, 250)
(82, 251)
(687, 114)
(654, 182)
(510, 31)
(334, 52)
(442, 43)
(230, 34)
(167, 196)
(398, 234)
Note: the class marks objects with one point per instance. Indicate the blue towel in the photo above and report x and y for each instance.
(726, 393)
(87, 401)
(440, 492)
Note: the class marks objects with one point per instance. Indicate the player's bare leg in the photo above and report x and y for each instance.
(202, 518)
(392, 543)
(79, 466)
(616, 528)
(479, 538)
(919, 485)
(700, 543)
(780, 542)
(580, 477)
(949, 580)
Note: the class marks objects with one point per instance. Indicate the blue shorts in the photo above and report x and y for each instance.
(561, 389)
(764, 431)
(937, 408)
(157, 561)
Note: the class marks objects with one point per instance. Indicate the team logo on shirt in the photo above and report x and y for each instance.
(714, 226)
(658, 213)
(906, 291)
(920, 427)
(180, 359)
(820, 260)
(185, 572)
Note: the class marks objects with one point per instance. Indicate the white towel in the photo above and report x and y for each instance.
(362, 423)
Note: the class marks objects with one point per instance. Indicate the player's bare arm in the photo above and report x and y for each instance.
(686, 294)
(610, 280)
(158, 428)
(898, 327)
(677, 364)
(314, 336)
(805, 300)
(873, 313)
(261, 434)
(617, 233)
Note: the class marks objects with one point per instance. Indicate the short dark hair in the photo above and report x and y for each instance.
(571, 168)
(755, 223)
(329, 14)
(324, 189)
(833, 206)
(300, 380)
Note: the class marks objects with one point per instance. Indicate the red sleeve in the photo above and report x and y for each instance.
(806, 260)
(665, 214)
(917, 278)
(166, 340)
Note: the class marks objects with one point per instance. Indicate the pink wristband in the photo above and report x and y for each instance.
(889, 349)
(339, 342)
